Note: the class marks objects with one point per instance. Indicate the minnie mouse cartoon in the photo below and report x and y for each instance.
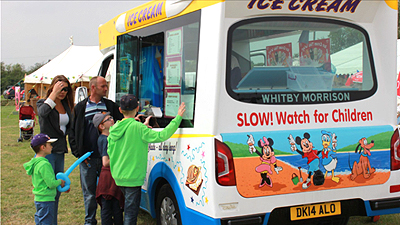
(267, 158)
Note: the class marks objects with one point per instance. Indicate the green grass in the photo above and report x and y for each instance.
(17, 207)
(380, 142)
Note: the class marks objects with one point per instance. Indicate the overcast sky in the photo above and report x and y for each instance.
(36, 31)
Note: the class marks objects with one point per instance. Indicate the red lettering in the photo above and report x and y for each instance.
(254, 119)
(281, 118)
(254, 123)
(245, 120)
(263, 119)
(239, 117)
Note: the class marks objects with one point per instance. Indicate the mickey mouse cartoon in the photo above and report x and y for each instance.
(267, 158)
(307, 152)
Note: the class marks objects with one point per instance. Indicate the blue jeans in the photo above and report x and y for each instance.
(57, 162)
(89, 175)
(132, 204)
(111, 212)
(44, 213)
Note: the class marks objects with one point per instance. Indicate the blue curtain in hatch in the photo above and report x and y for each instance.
(153, 80)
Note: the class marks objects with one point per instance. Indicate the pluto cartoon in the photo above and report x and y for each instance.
(363, 166)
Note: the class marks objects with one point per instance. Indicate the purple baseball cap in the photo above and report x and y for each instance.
(40, 139)
(129, 102)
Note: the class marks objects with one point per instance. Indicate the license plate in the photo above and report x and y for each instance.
(315, 210)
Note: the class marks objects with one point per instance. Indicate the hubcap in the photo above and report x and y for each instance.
(168, 214)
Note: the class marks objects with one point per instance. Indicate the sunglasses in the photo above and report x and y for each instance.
(65, 89)
(108, 119)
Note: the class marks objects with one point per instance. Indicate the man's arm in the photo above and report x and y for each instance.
(71, 136)
(117, 114)
(113, 108)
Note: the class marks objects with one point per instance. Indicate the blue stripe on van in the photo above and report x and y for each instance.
(188, 216)
(371, 212)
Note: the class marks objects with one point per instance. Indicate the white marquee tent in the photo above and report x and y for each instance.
(77, 63)
(347, 61)
(398, 56)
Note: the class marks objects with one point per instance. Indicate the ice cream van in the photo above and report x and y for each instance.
(291, 107)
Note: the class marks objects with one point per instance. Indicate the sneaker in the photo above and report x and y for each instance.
(307, 183)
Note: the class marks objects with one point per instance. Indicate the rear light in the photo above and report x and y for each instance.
(394, 188)
(225, 170)
(395, 151)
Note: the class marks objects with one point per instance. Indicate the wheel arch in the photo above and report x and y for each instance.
(162, 174)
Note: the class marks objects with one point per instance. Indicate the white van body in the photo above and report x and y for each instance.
(304, 132)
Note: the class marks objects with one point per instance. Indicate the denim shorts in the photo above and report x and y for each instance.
(44, 213)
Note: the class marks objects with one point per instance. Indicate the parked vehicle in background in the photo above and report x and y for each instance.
(9, 93)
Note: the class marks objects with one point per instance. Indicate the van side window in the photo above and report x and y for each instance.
(160, 67)
(298, 61)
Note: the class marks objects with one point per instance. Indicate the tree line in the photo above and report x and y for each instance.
(13, 74)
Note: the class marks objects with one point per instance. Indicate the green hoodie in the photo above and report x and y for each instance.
(128, 147)
(43, 179)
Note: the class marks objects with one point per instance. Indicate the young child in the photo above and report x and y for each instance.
(108, 194)
(128, 148)
(43, 179)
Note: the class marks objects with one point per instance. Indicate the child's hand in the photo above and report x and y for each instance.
(62, 183)
(137, 118)
(182, 109)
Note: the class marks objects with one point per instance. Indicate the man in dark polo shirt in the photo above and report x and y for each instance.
(83, 139)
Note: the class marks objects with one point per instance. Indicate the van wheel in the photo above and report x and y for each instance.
(167, 207)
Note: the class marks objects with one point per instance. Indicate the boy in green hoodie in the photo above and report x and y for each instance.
(43, 179)
(128, 147)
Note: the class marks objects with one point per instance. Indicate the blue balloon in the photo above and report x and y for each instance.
(64, 176)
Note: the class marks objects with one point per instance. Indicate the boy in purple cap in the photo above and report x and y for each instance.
(43, 179)
(128, 147)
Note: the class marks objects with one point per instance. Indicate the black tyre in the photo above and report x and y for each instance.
(167, 207)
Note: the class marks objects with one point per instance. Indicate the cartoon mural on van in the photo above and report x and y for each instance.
(363, 166)
(329, 159)
(313, 161)
(301, 174)
(267, 158)
(194, 178)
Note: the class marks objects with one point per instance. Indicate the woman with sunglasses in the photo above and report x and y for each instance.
(54, 120)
